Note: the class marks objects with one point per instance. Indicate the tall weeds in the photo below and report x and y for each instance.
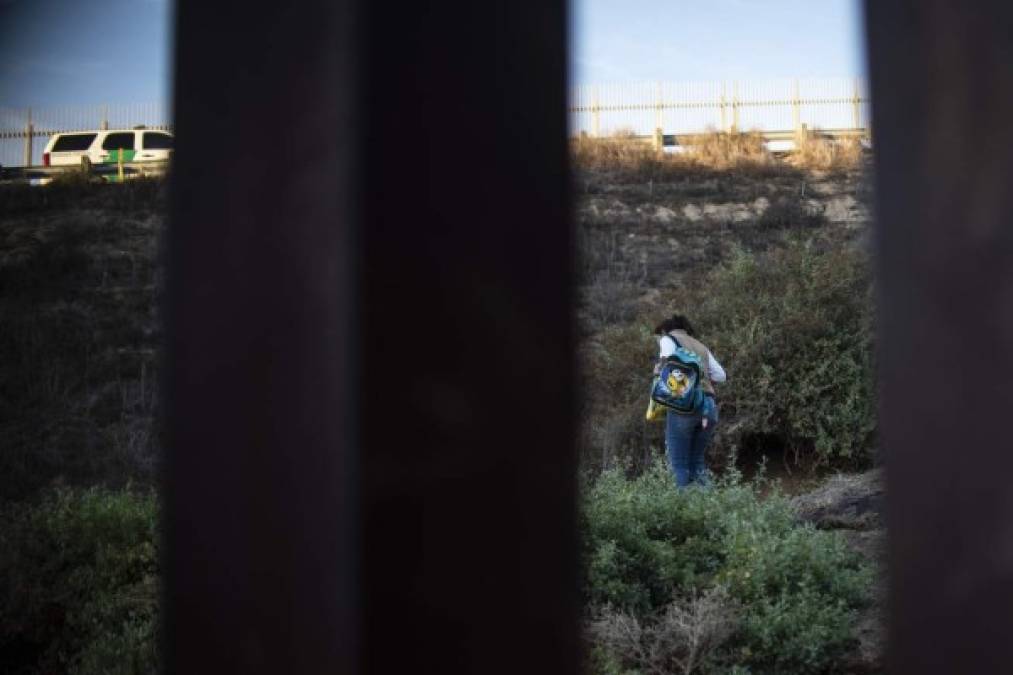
(625, 154)
(731, 150)
(814, 151)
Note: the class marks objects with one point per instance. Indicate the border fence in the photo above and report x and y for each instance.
(25, 131)
(771, 106)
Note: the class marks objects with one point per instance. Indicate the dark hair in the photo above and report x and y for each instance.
(676, 322)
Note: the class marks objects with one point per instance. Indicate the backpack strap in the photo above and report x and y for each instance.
(664, 359)
(672, 338)
(700, 368)
(661, 359)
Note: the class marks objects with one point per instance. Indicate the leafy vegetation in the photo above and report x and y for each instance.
(712, 580)
(79, 583)
(796, 326)
(793, 327)
(696, 581)
(78, 406)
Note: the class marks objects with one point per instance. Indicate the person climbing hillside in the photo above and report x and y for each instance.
(688, 434)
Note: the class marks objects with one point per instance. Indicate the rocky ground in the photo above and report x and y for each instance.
(680, 226)
(853, 505)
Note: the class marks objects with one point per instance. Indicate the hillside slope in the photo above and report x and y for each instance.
(650, 248)
(79, 331)
(658, 237)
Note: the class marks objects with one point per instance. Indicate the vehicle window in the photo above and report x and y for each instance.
(121, 141)
(154, 140)
(70, 142)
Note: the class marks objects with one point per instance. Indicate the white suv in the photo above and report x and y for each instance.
(105, 146)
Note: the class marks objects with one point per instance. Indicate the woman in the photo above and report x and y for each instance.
(687, 436)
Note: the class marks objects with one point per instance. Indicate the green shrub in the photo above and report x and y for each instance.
(793, 328)
(655, 555)
(79, 583)
(615, 367)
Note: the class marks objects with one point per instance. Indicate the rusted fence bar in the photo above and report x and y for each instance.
(261, 481)
(945, 253)
(345, 492)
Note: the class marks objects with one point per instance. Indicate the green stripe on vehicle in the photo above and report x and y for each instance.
(114, 156)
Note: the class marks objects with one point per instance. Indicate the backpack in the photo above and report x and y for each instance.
(678, 385)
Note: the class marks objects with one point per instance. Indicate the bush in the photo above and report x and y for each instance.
(820, 152)
(794, 330)
(788, 213)
(792, 327)
(683, 639)
(79, 583)
(615, 368)
(717, 152)
(731, 150)
(767, 593)
(610, 280)
(50, 257)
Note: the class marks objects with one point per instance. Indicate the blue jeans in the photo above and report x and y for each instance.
(686, 443)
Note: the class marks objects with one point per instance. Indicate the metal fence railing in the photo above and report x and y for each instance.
(694, 107)
(25, 131)
(598, 110)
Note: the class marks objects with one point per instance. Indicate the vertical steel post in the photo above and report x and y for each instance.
(29, 133)
(735, 107)
(595, 113)
(944, 244)
(261, 470)
(856, 101)
(312, 522)
(722, 104)
(796, 109)
(658, 108)
(441, 565)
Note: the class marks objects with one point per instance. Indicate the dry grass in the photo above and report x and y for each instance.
(79, 327)
(730, 150)
(815, 151)
(622, 150)
(681, 640)
(624, 154)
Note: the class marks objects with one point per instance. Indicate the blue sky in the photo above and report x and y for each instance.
(57, 52)
(649, 40)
